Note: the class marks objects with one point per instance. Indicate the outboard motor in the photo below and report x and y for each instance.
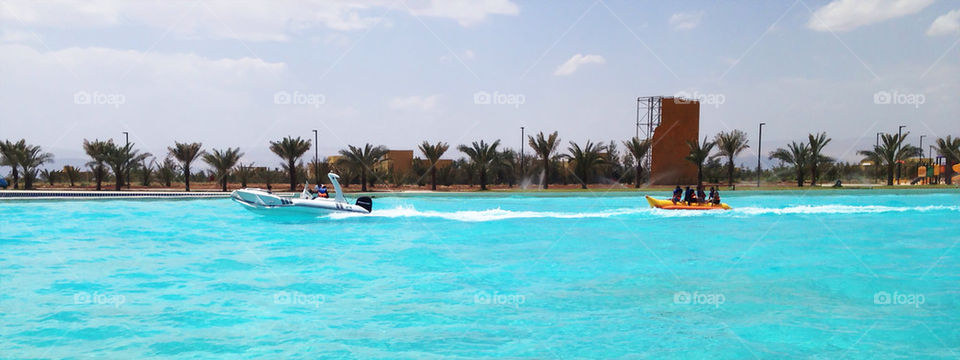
(365, 202)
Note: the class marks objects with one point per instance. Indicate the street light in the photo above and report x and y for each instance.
(316, 158)
(521, 153)
(878, 138)
(899, 143)
(759, 144)
(921, 146)
(126, 140)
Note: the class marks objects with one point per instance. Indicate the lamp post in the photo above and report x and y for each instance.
(921, 146)
(316, 158)
(899, 143)
(759, 145)
(126, 142)
(521, 152)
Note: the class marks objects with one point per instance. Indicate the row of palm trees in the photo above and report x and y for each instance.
(581, 161)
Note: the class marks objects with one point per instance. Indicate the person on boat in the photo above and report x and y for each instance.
(701, 196)
(689, 195)
(677, 194)
(322, 191)
(715, 198)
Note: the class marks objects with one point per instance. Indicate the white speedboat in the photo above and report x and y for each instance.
(263, 201)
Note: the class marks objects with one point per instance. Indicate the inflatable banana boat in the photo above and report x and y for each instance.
(669, 205)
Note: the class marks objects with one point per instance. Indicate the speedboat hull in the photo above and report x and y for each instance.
(264, 202)
(669, 205)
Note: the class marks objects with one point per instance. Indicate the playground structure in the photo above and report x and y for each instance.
(935, 172)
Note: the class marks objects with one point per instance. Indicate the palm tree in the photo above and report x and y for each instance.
(146, 171)
(10, 154)
(949, 147)
(244, 172)
(362, 160)
(166, 171)
(72, 174)
(290, 150)
(817, 142)
(120, 159)
(97, 150)
(699, 152)
(584, 160)
(31, 158)
(797, 154)
(51, 175)
(545, 147)
(185, 153)
(482, 155)
(222, 163)
(729, 145)
(891, 151)
(638, 149)
(433, 154)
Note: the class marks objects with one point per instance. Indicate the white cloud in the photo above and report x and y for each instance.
(946, 24)
(414, 103)
(226, 19)
(685, 21)
(576, 61)
(167, 97)
(845, 15)
(19, 37)
(467, 12)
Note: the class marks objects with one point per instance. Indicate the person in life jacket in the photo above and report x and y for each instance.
(677, 194)
(701, 196)
(689, 195)
(714, 196)
(322, 191)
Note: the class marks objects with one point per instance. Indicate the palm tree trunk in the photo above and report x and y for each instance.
(16, 177)
(890, 175)
(119, 183)
(186, 176)
(546, 173)
(483, 178)
(224, 182)
(700, 174)
(363, 180)
(636, 184)
(949, 172)
(799, 177)
(813, 175)
(433, 177)
(98, 173)
(293, 174)
(730, 171)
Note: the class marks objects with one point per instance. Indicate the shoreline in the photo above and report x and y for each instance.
(77, 194)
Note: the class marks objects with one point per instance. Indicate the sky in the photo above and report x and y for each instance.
(242, 73)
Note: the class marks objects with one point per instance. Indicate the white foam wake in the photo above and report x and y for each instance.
(842, 209)
(501, 214)
(491, 214)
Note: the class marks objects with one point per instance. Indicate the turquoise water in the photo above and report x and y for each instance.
(855, 274)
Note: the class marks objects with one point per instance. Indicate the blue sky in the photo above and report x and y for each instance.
(400, 72)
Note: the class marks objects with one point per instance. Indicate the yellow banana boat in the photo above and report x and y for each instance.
(669, 205)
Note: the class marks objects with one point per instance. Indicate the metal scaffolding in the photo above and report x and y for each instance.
(648, 119)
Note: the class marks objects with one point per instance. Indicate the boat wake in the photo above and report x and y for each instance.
(501, 214)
